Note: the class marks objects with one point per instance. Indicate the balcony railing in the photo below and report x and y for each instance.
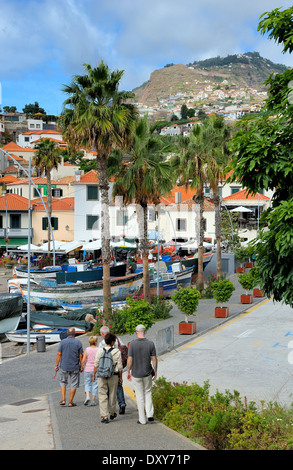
(15, 232)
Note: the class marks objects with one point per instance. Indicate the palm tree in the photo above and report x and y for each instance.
(97, 116)
(142, 180)
(216, 135)
(202, 160)
(46, 158)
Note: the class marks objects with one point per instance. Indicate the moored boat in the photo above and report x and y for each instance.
(167, 283)
(51, 294)
(10, 311)
(52, 335)
(44, 273)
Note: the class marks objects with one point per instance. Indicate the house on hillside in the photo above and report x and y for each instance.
(13, 221)
(62, 220)
(87, 208)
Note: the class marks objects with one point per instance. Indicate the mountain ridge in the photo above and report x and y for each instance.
(242, 71)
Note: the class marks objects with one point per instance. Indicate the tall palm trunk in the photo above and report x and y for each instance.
(200, 282)
(105, 236)
(145, 253)
(49, 196)
(218, 231)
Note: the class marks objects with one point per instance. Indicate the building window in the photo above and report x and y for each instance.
(92, 222)
(54, 223)
(26, 139)
(235, 190)
(180, 224)
(57, 192)
(15, 221)
(93, 193)
(1, 221)
(121, 218)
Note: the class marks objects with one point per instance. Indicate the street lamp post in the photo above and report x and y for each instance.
(29, 238)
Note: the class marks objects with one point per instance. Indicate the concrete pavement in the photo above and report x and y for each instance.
(29, 398)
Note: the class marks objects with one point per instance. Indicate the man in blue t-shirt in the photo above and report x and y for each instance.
(69, 356)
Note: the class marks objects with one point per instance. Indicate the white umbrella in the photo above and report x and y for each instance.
(241, 209)
(92, 246)
(32, 247)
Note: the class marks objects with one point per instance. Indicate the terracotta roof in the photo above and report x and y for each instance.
(245, 195)
(18, 159)
(47, 131)
(66, 180)
(10, 169)
(8, 179)
(186, 193)
(14, 202)
(66, 204)
(90, 177)
(61, 142)
(13, 147)
(36, 180)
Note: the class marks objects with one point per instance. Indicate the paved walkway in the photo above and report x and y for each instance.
(31, 418)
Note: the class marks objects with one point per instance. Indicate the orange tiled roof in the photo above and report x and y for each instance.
(245, 195)
(90, 177)
(66, 204)
(186, 193)
(8, 179)
(10, 169)
(36, 180)
(13, 147)
(14, 202)
(47, 131)
(19, 159)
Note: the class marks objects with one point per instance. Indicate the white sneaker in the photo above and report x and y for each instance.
(87, 400)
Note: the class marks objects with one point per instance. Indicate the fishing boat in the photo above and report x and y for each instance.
(189, 262)
(167, 283)
(49, 293)
(10, 311)
(44, 273)
(183, 274)
(52, 335)
(73, 274)
(52, 319)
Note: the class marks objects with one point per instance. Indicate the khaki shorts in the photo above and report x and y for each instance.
(72, 376)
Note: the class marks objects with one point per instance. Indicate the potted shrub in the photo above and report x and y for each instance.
(257, 292)
(187, 299)
(251, 255)
(241, 255)
(222, 292)
(247, 282)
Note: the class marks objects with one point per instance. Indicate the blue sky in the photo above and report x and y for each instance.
(45, 42)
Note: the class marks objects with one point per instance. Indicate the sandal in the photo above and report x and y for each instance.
(71, 403)
(62, 402)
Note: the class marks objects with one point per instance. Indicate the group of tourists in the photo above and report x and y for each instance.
(103, 367)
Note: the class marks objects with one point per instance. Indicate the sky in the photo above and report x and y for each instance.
(44, 43)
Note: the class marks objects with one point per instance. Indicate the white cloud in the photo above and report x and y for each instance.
(54, 38)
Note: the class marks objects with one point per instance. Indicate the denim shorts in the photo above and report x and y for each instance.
(72, 376)
(89, 385)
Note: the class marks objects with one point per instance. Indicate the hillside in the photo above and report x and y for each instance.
(246, 72)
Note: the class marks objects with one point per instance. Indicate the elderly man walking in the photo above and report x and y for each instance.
(141, 357)
(69, 356)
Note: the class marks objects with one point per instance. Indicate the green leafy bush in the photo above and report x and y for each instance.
(222, 421)
(246, 280)
(187, 299)
(223, 290)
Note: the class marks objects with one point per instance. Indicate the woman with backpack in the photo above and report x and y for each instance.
(108, 367)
